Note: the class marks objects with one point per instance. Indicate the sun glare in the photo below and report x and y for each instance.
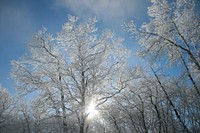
(91, 111)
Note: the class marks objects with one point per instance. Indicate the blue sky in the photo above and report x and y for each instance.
(20, 19)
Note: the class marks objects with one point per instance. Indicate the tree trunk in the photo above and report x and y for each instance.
(190, 76)
(82, 126)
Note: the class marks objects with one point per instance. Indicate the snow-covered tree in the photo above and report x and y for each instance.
(6, 108)
(72, 70)
(173, 29)
(172, 32)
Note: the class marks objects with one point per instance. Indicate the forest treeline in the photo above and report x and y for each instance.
(81, 81)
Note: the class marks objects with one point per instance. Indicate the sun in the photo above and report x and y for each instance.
(92, 111)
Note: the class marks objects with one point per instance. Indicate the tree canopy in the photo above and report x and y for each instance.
(80, 79)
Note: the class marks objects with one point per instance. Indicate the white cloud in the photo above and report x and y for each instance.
(106, 10)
